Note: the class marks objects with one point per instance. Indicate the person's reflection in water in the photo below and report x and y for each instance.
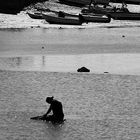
(57, 110)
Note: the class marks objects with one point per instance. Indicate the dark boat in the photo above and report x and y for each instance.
(62, 18)
(98, 18)
(124, 16)
(98, 9)
(35, 15)
(15, 6)
(127, 1)
(83, 2)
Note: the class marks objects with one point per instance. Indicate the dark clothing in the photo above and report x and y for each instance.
(53, 119)
(57, 109)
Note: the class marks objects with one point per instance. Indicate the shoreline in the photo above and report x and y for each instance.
(83, 74)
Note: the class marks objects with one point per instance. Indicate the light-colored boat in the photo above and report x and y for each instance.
(98, 18)
(35, 15)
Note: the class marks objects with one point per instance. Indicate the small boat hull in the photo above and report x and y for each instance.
(127, 1)
(96, 18)
(124, 16)
(117, 14)
(35, 15)
(66, 19)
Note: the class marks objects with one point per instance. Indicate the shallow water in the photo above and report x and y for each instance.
(121, 63)
(69, 41)
(99, 107)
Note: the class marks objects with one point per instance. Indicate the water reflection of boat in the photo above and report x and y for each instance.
(62, 18)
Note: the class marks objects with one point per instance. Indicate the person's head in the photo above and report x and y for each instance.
(49, 99)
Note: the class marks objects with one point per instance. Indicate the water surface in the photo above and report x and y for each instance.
(69, 41)
(127, 64)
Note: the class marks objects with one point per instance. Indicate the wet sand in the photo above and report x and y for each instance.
(96, 106)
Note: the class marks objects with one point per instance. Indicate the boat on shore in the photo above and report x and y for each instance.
(35, 15)
(97, 9)
(124, 16)
(62, 18)
(115, 13)
(98, 18)
(83, 2)
(127, 1)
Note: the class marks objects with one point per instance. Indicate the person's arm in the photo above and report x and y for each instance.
(49, 110)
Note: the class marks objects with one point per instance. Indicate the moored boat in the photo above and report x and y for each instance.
(62, 18)
(98, 9)
(35, 15)
(127, 1)
(83, 2)
(113, 12)
(98, 18)
(124, 16)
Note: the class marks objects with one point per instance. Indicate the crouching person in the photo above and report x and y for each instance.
(57, 111)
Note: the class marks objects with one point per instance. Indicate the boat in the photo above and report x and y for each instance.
(127, 1)
(35, 15)
(83, 2)
(124, 15)
(98, 9)
(62, 18)
(98, 18)
(115, 13)
(14, 6)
